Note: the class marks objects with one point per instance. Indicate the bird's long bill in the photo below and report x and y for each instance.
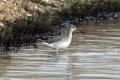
(76, 30)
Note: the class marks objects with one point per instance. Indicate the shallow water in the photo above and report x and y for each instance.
(94, 55)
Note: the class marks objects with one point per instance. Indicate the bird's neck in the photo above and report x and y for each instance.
(70, 35)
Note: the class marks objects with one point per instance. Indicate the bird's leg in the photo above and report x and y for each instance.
(57, 50)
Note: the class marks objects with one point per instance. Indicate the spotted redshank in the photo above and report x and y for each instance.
(61, 42)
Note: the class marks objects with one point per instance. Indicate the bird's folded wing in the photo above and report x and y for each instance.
(54, 39)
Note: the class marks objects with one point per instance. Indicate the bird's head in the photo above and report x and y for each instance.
(73, 28)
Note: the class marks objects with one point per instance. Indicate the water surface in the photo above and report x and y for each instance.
(94, 55)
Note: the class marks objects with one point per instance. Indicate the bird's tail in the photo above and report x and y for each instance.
(44, 43)
(47, 44)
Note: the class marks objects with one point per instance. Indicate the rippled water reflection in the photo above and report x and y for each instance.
(93, 55)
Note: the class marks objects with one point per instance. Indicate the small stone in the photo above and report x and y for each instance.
(36, 7)
(1, 7)
(1, 24)
(28, 14)
(4, 0)
(46, 0)
(61, 0)
(1, 17)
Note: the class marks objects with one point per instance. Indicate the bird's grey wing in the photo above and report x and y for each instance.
(55, 39)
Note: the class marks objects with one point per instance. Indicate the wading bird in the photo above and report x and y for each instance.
(61, 42)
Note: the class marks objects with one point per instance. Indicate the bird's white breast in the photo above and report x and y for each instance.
(64, 44)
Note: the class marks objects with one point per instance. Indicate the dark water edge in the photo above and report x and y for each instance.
(28, 36)
(27, 30)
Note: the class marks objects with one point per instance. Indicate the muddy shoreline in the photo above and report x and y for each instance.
(32, 19)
